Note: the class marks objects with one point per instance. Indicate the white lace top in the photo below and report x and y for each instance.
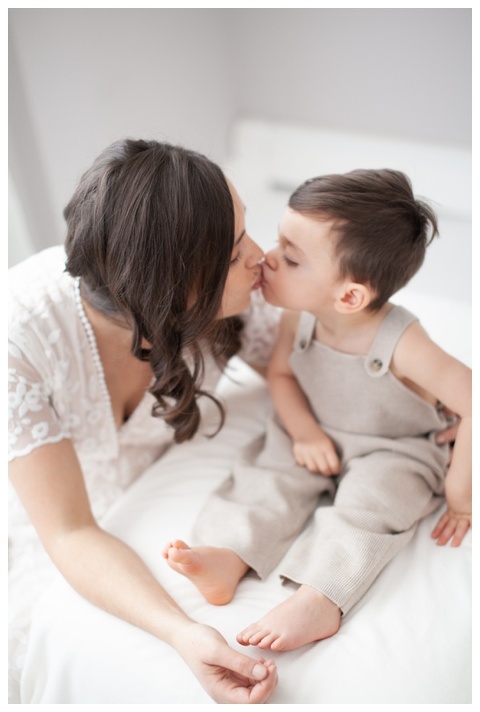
(57, 390)
(57, 387)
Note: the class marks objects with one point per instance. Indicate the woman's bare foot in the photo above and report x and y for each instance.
(215, 571)
(308, 615)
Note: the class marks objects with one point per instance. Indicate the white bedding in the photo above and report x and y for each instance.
(407, 641)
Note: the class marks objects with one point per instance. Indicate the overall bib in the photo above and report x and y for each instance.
(392, 473)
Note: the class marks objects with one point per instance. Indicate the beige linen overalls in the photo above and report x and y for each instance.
(392, 474)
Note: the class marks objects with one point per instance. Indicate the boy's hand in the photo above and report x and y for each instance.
(457, 520)
(317, 453)
(452, 525)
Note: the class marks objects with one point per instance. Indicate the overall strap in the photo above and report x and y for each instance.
(392, 327)
(305, 331)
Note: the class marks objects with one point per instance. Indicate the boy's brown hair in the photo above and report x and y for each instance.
(382, 230)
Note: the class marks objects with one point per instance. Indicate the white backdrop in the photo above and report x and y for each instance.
(81, 78)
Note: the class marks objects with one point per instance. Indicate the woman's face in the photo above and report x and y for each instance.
(245, 272)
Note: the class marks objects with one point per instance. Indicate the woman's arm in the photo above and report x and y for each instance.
(110, 575)
(312, 448)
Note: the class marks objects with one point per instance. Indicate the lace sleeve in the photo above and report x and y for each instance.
(260, 331)
(32, 420)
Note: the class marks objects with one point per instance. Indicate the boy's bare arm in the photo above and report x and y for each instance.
(417, 359)
(312, 447)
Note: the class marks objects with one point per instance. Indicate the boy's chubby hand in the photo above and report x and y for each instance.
(317, 453)
(452, 526)
(457, 520)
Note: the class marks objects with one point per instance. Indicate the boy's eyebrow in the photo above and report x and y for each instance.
(291, 244)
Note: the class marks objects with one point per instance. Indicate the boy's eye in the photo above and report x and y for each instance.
(289, 262)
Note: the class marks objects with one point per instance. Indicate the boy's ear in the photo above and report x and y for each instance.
(353, 297)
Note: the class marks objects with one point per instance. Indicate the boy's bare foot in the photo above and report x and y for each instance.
(215, 571)
(308, 615)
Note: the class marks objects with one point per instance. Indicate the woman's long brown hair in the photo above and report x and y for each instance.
(150, 232)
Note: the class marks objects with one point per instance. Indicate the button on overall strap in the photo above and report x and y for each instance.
(392, 327)
(305, 331)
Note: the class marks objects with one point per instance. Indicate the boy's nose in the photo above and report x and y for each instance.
(271, 260)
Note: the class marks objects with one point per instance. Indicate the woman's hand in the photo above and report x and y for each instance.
(109, 574)
(228, 676)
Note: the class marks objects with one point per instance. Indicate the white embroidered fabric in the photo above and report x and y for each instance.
(260, 331)
(57, 390)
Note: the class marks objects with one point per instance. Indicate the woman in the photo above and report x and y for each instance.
(138, 322)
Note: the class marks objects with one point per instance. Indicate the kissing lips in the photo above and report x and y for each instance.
(258, 281)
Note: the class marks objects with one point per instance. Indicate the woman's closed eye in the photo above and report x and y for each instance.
(236, 259)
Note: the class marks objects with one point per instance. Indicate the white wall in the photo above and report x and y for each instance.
(405, 72)
(269, 160)
(81, 78)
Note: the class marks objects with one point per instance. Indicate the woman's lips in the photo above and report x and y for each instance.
(259, 281)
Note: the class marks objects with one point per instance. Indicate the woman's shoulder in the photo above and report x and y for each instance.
(37, 282)
(261, 324)
(41, 268)
(41, 312)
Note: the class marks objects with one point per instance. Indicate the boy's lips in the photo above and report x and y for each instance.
(259, 281)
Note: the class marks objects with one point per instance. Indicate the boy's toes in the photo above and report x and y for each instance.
(182, 556)
(174, 549)
(267, 640)
(173, 546)
(251, 635)
(278, 644)
(244, 636)
(261, 637)
(167, 548)
(257, 637)
(179, 544)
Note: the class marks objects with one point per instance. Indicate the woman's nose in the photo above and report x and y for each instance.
(255, 254)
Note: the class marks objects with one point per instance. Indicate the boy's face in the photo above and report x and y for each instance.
(301, 272)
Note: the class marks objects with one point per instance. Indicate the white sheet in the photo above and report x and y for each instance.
(407, 641)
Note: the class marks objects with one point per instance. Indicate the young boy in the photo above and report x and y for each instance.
(357, 386)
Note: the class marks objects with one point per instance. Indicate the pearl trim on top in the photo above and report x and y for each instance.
(92, 342)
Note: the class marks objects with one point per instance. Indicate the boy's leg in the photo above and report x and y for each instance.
(305, 617)
(260, 509)
(379, 501)
(215, 571)
(256, 514)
